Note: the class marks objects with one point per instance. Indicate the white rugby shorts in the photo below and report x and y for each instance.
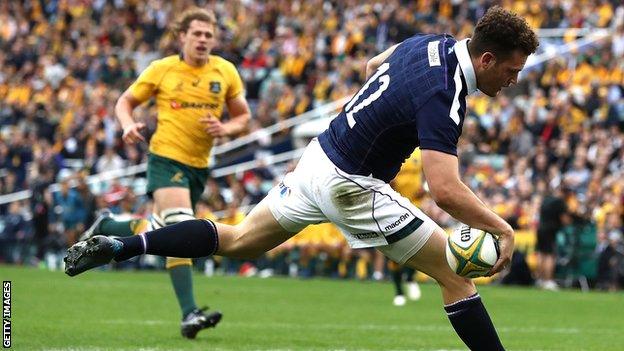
(367, 210)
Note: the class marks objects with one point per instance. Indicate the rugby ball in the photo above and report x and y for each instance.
(471, 252)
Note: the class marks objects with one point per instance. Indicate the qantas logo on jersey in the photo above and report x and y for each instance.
(176, 105)
(396, 223)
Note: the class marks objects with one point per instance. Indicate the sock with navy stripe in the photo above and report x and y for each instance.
(473, 324)
(189, 239)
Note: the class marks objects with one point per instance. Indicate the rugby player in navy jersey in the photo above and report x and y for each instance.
(415, 95)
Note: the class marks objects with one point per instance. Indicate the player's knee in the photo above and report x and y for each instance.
(455, 282)
(168, 217)
(176, 215)
(155, 222)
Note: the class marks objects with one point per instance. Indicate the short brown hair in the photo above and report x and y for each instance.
(183, 22)
(502, 32)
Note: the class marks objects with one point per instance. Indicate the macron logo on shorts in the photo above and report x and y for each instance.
(396, 223)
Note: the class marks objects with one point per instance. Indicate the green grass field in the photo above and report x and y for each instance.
(137, 311)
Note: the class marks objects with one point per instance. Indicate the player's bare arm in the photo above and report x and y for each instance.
(238, 109)
(123, 110)
(375, 62)
(452, 195)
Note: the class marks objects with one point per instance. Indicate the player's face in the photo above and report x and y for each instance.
(198, 41)
(499, 73)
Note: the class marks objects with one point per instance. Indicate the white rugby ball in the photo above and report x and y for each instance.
(471, 252)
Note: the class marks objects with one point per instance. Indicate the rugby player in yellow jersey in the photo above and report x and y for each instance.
(408, 183)
(191, 91)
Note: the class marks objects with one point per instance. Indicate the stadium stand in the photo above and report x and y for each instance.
(64, 63)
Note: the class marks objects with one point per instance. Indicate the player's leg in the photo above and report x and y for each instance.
(175, 187)
(363, 258)
(344, 261)
(461, 301)
(546, 249)
(174, 206)
(413, 289)
(258, 233)
(540, 250)
(379, 262)
(106, 223)
(286, 210)
(549, 262)
(539, 272)
(412, 239)
(396, 272)
(161, 172)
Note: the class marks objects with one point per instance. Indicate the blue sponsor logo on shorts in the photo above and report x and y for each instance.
(284, 190)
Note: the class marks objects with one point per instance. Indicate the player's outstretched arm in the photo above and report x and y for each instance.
(452, 195)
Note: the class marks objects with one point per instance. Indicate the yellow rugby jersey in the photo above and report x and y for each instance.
(408, 181)
(323, 233)
(233, 218)
(184, 94)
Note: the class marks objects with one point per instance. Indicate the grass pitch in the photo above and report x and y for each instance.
(137, 311)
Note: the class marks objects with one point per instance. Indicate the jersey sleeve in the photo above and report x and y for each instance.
(146, 85)
(437, 130)
(235, 85)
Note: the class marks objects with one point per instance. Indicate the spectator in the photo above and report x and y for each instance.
(62, 66)
(110, 161)
(611, 256)
(40, 208)
(16, 234)
(69, 209)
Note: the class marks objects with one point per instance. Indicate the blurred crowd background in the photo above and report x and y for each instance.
(64, 63)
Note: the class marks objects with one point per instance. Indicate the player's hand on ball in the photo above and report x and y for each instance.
(506, 246)
(132, 133)
(471, 252)
(213, 126)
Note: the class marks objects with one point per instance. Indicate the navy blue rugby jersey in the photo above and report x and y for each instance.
(417, 97)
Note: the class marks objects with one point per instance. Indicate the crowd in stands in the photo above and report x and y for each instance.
(64, 63)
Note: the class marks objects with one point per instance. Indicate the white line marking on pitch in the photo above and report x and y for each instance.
(94, 348)
(504, 329)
